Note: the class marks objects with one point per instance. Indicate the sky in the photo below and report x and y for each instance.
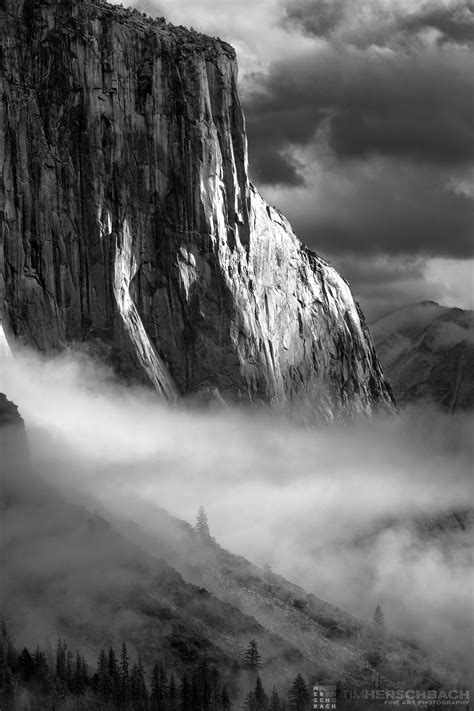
(361, 131)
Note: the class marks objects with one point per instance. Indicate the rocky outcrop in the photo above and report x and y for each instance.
(9, 415)
(128, 218)
(14, 455)
(427, 351)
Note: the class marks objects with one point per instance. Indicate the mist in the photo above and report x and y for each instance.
(335, 509)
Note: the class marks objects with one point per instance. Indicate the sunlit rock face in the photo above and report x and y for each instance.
(129, 219)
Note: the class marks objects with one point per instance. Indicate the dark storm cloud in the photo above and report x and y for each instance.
(382, 284)
(316, 18)
(374, 272)
(271, 132)
(283, 169)
(456, 24)
(322, 18)
(391, 92)
(383, 207)
(410, 105)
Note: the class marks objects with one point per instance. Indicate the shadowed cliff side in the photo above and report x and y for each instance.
(129, 220)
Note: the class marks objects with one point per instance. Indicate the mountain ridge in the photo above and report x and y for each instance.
(427, 350)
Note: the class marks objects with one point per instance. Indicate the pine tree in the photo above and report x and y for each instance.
(124, 675)
(204, 685)
(26, 665)
(69, 669)
(60, 659)
(185, 694)
(80, 676)
(261, 700)
(275, 700)
(252, 658)
(138, 690)
(226, 704)
(158, 684)
(8, 683)
(64, 663)
(40, 664)
(173, 698)
(249, 702)
(102, 663)
(299, 694)
(195, 692)
(112, 668)
(202, 524)
(379, 620)
(214, 689)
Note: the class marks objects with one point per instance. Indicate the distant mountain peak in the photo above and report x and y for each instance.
(427, 351)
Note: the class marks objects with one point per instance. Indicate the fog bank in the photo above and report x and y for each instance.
(327, 507)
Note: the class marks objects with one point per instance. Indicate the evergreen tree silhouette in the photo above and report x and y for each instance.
(185, 694)
(260, 697)
(158, 686)
(138, 689)
(299, 694)
(249, 702)
(225, 699)
(379, 620)
(80, 676)
(25, 665)
(202, 524)
(124, 675)
(275, 700)
(173, 697)
(252, 658)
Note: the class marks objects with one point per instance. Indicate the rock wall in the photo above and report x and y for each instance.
(128, 219)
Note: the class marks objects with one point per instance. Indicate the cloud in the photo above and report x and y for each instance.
(385, 283)
(381, 22)
(301, 500)
(378, 206)
(408, 104)
(374, 122)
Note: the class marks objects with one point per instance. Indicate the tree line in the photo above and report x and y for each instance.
(61, 680)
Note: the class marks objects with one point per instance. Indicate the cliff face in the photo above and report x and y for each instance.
(128, 218)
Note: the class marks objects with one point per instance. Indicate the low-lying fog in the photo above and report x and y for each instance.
(312, 503)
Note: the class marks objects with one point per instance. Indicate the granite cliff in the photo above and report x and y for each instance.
(128, 220)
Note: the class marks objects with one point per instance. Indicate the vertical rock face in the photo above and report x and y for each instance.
(128, 217)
